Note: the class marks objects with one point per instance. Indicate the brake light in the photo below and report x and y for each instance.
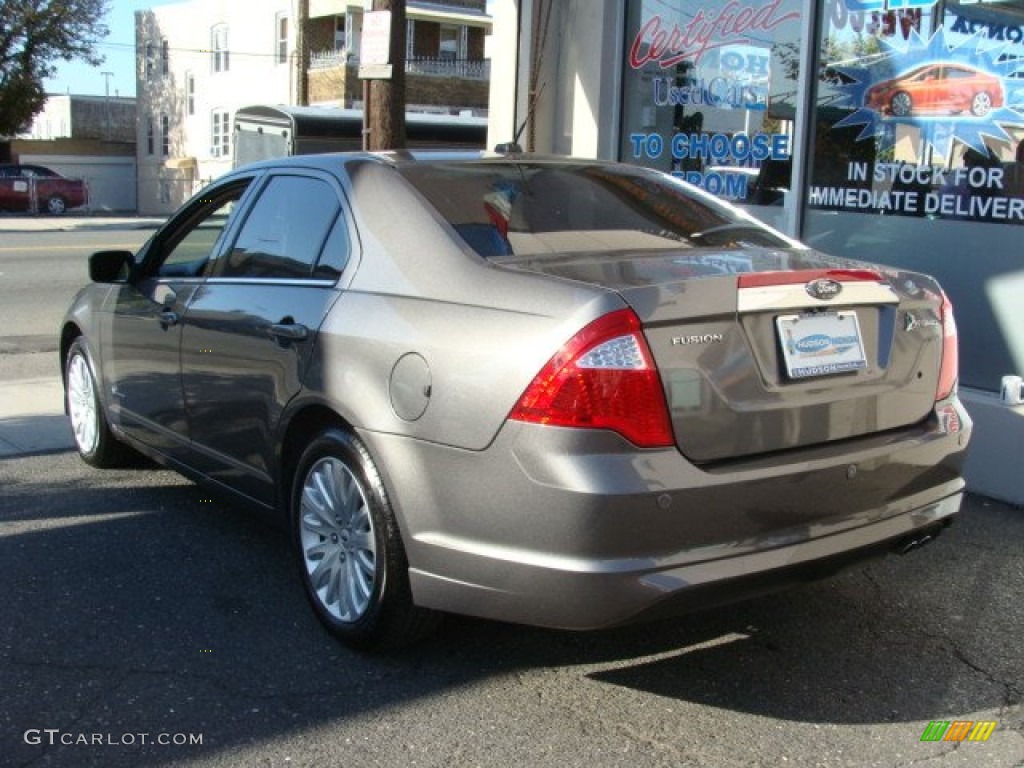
(602, 378)
(950, 353)
(797, 276)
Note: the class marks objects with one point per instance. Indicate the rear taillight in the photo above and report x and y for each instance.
(602, 378)
(950, 353)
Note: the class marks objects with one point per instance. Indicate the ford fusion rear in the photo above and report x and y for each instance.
(559, 392)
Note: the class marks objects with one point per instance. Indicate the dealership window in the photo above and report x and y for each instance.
(219, 61)
(220, 133)
(713, 102)
(917, 158)
(281, 38)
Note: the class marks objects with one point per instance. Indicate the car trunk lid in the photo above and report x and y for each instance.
(764, 350)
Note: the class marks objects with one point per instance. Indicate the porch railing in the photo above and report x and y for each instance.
(464, 69)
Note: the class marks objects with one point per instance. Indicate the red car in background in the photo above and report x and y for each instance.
(35, 188)
(944, 89)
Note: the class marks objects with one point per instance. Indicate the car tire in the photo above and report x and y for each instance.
(94, 440)
(56, 205)
(349, 548)
(981, 104)
(901, 104)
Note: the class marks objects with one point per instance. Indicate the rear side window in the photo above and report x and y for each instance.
(526, 209)
(335, 253)
(285, 231)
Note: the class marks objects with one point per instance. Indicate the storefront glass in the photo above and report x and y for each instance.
(709, 93)
(917, 158)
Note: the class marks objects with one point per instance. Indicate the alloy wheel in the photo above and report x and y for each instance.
(337, 539)
(981, 104)
(82, 405)
(902, 104)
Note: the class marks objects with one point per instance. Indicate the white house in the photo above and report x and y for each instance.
(199, 61)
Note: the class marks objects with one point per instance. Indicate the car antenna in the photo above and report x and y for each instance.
(513, 147)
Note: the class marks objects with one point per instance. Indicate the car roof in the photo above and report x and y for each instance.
(330, 161)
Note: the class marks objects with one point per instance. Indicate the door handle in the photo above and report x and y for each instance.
(289, 331)
(168, 318)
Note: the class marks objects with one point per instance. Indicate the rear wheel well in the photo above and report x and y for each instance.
(302, 429)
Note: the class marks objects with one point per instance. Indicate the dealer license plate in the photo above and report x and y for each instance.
(820, 344)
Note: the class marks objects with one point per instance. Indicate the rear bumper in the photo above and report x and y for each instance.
(577, 530)
(601, 597)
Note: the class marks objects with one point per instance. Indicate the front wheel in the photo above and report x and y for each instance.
(96, 444)
(350, 551)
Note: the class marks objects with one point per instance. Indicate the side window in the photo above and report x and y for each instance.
(189, 247)
(335, 253)
(285, 230)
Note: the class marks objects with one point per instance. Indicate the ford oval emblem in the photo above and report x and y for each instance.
(824, 289)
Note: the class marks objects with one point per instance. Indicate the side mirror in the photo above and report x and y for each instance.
(110, 266)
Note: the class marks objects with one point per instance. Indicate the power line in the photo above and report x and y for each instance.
(175, 49)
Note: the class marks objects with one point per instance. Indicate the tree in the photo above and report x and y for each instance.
(34, 36)
(387, 97)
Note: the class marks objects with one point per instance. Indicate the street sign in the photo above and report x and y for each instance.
(376, 43)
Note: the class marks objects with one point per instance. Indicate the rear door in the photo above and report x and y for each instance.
(250, 330)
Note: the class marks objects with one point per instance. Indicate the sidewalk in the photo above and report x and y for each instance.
(32, 417)
(77, 222)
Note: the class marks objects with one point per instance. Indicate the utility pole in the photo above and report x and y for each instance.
(106, 104)
(387, 97)
(302, 54)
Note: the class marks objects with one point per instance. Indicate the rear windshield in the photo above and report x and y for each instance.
(522, 209)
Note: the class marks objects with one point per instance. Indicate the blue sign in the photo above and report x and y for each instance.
(886, 5)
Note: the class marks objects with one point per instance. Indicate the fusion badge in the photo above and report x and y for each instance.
(698, 338)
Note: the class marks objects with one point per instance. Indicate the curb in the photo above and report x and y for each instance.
(76, 223)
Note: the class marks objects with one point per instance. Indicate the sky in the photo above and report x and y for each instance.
(118, 48)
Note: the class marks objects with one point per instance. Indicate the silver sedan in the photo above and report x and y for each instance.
(566, 393)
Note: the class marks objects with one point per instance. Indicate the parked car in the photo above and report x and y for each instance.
(565, 393)
(37, 188)
(943, 88)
